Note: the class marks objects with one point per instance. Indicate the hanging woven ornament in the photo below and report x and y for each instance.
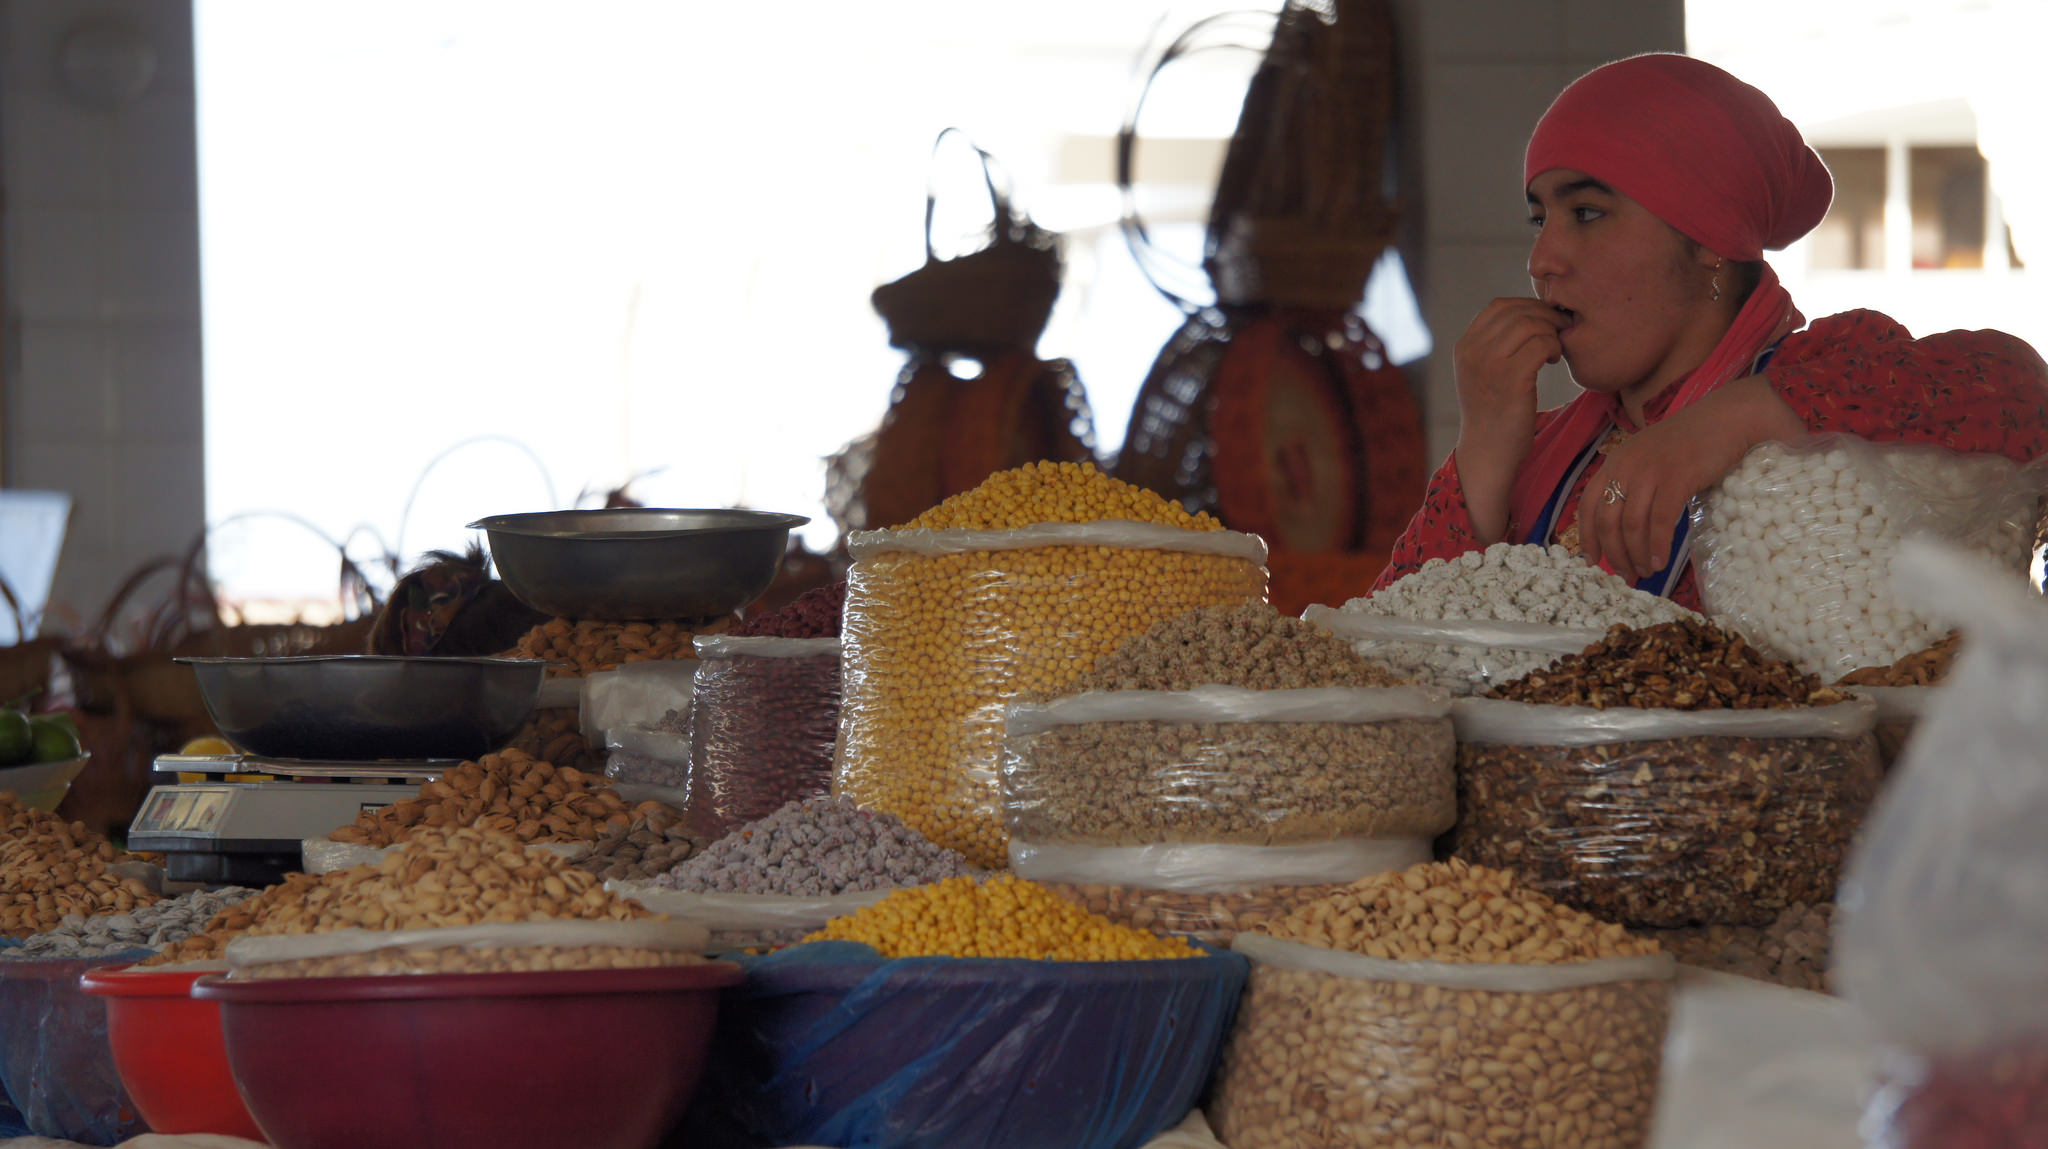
(1274, 407)
(973, 398)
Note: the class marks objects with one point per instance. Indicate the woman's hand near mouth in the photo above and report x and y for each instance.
(1497, 360)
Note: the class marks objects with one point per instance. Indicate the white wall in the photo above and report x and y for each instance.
(1482, 73)
(102, 367)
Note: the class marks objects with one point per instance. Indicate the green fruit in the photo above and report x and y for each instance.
(17, 740)
(52, 742)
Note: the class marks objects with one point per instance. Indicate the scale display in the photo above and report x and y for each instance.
(183, 810)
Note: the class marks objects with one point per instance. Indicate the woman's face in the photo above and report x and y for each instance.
(1639, 295)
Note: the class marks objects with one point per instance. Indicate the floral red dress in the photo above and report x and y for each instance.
(1859, 373)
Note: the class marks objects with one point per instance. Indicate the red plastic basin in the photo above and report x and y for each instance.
(599, 1059)
(167, 1049)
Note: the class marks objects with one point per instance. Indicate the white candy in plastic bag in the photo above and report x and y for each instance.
(1795, 546)
(1462, 656)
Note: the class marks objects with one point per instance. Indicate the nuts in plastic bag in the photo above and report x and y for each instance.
(763, 727)
(945, 628)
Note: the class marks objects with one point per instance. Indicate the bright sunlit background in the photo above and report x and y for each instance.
(442, 282)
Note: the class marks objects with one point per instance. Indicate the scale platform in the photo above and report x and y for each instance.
(244, 821)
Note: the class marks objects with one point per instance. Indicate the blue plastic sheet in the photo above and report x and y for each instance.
(830, 1044)
(55, 1063)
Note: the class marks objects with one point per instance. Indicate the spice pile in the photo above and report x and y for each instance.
(819, 847)
(937, 643)
(1320, 1058)
(1002, 917)
(51, 869)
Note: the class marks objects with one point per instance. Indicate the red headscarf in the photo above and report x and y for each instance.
(1712, 157)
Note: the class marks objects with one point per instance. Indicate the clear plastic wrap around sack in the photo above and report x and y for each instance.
(1795, 546)
(1899, 710)
(1214, 918)
(1462, 656)
(1216, 868)
(1339, 1051)
(763, 728)
(1221, 764)
(1659, 818)
(652, 695)
(747, 921)
(944, 629)
(640, 755)
(55, 1064)
(483, 948)
(829, 1044)
(321, 856)
(1942, 927)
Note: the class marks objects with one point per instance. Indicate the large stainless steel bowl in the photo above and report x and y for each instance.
(361, 707)
(638, 562)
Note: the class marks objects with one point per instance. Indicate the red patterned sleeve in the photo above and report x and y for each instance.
(1861, 373)
(1442, 528)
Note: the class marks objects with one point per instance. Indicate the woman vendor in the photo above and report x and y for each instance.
(1655, 184)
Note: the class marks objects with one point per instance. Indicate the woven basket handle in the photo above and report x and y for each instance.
(999, 198)
(1155, 265)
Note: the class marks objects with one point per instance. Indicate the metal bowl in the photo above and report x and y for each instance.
(362, 707)
(638, 562)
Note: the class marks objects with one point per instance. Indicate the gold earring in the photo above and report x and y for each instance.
(1717, 283)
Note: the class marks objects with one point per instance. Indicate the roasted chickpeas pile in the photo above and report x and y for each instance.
(1049, 492)
(936, 645)
(1002, 917)
(438, 877)
(583, 647)
(1322, 1061)
(1245, 643)
(1321, 1058)
(1212, 918)
(1454, 912)
(1249, 783)
(509, 792)
(50, 868)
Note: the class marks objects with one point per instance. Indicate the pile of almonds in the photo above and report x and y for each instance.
(510, 792)
(50, 868)
(1453, 912)
(581, 648)
(1683, 665)
(654, 843)
(440, 877)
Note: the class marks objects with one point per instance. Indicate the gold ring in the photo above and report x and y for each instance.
(1614, 493)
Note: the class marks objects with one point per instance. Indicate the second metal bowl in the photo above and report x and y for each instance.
(638, 562)
(362, 707)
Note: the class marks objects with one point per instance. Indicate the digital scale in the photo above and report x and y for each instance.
(237, 819)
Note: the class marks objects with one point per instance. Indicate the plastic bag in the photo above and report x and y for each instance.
(648, 757)
(1207, 867)
(1665, 817)
(747, 921)
(1942, 922)
(1795, 546)
(1899, 710)
(829, 1044)
(55, 1063)
(1462, 656)
(321, 856)
(652, 695)
(944, 629)
(485, 948)
(1408, 1049)
(763, 729)
(1223, 764)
